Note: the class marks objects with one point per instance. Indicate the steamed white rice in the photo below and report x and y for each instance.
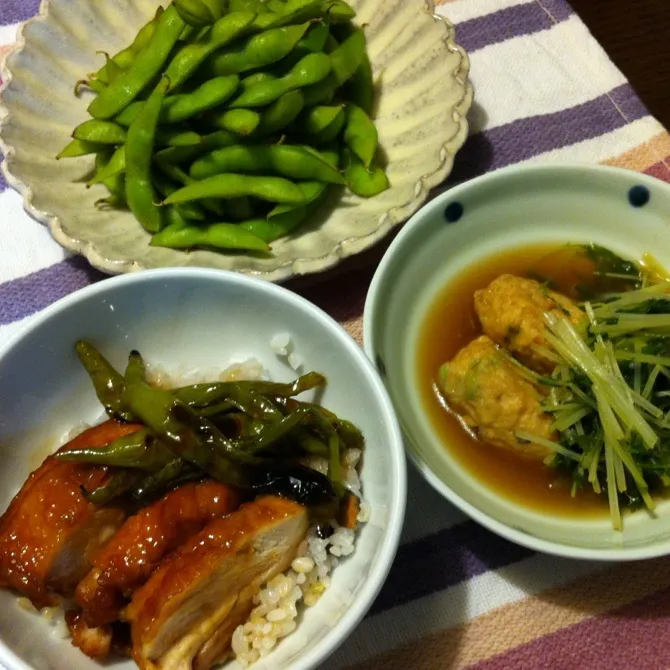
(278, 604)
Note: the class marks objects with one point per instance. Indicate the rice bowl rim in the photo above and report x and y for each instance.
(396, 508)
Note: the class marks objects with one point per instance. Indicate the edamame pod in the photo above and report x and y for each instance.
(80, 148)
(102, 132)
(148, 63)
(257, 51)
(348, 56)
(194, 12)
(276, 6)
(366, 183)
(339, 11)
(216, 235)
(295, 11)
(178, 175)
(115, 165)
(360, 134)
(125, 57)
(112, 68)
(215, 140)
(177, 137)
(310, 189)
(140, 191)
(322, 123)
(360, 88)
(292, 161)
(255, 6)
(272, 189)
(210, 94)
(116, 186)
(320, 93)
(189, 58)
(280, 113)
(181, 107)
(239, 121)
(286, 222)
(317, 119)
(256, 78)
(315, 39)
(310, 70)
(165, 186)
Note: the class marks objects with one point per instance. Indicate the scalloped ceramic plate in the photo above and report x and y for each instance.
(423, 96)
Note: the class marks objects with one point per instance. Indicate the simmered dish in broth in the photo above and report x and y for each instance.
(190, 525)
(547, 372)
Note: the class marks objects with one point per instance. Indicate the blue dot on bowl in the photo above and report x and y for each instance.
(453, 212)
(639, 196)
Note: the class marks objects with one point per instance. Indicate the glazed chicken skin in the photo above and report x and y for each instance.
(95, 642)
(50, 531)
(511, 310)
(185, 614)
(494, 399)
(130, 557)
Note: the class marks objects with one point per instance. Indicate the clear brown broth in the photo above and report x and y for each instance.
(451, 323)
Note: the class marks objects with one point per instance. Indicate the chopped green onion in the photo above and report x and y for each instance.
(570, 418)
(554, 446)
(572, 347)
(651, 380)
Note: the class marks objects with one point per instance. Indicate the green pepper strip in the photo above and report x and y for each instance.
(277, 431)
(334, 464)
(199, 395)
(108, 383)
(193, 438)
(139, 450)
(120, 482)
(173, 474)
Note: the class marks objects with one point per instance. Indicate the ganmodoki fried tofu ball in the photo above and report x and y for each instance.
(494, 399)
(511, 310)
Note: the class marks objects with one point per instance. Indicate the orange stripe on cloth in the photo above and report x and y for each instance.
(645, 155)
(660, 170)
(522, 622)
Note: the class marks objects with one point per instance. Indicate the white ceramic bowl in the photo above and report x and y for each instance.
(196, 318)
(624, 211)
(423, 96)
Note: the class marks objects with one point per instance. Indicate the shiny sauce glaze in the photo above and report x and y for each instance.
(450, 324)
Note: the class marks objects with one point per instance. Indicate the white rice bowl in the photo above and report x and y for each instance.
(278, 603)
(191, 324)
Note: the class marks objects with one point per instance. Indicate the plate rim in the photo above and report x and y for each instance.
(295, 266)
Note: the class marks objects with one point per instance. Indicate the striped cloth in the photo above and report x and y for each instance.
(457, 595)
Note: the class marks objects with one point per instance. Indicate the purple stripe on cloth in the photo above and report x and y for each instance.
(519, 140)
(633, 636)
(510, 22)
(26, 295)
(443, 559)
(13, 11)
(3, 181)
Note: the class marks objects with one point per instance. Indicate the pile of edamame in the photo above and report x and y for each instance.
(226, 123)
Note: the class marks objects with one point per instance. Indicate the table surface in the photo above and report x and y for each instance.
(634, 33)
